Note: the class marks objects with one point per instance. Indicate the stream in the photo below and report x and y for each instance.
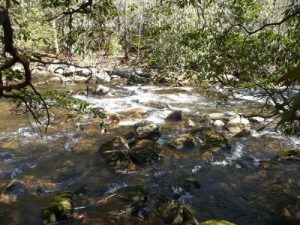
(244, 184)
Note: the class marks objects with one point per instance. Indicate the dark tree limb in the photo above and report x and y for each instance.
(9, 90)
(250, 32)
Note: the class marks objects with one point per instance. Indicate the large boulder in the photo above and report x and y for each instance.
(183, 142)
(148, 130)
(145, 151)
(175, 116)
(60, 209)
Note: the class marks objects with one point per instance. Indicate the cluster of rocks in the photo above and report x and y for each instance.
(232, 121)
(136, 147)
(130, 200)
(71, 73)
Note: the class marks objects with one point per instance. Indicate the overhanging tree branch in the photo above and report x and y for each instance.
(9, 90)
(250, 32)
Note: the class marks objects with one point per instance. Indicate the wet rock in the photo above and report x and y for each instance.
(214, 139)
(257, 119)
(113, 117)
(216, 222)
(175, 116)
(237, 124)
(134, 197)
(148, 130)
(135, 113)
(243, 133)
(223, 116)
(183, 142)
(60, 208)
(190, 183)
(293, 154)
(205, 121)
(219, 124)
(115, 152)
(177, 214)
(69, 70)
(102, 76)
(6, 155)
(131, 137)
(216, 116)
(157, 105)
(135, 79)
(190, 123)
(84, 72)
(15, 190)
(101, 90)
(289, 216)
(145, 151)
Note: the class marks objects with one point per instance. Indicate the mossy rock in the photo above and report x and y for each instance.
(145, 151)
(60, 208)
(134, 196)
(148, 130)
(217, 222)
(117, 157)
(115, 151)
(174, 213)
(183, 142)
(116, 143)
(214, 139)
(293, 154)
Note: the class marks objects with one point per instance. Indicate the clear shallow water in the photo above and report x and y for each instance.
(244, 185)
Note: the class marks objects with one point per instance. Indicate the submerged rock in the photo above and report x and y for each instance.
(175, 213)
(216, 222)
(134, 197)
(148, 130)
(145, 151)
(191, 183)
(60, 208)
(175, 116)
(183, 142)
(14, 191)
(243, 133)
(115, 151)
(293, 154)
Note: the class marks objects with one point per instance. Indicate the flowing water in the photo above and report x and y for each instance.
(245, 185)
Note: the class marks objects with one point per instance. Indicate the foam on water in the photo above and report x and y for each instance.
(237, 153)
